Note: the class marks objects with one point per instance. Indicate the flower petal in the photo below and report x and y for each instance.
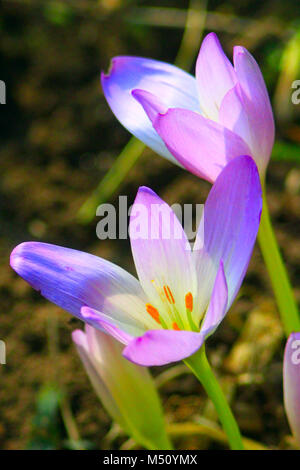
(151, 103)
(291, 383)
(177, 88)
(231, 220)
(73, 279)
(161, 251)
(256, 104)
(114, 328)
(159, 347)
(218, 304)
(127, 391)
(246, 108)
(215, 76)
(233, 114)
(92, 368)
(202, 146)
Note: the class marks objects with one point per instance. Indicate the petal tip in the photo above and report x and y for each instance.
(240, 50)
(145, 190)
(160, 347)
(212, 36)
(152, 105)
(77, 336)
(16, 256)
(111, 69)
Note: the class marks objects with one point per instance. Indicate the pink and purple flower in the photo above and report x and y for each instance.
(182, 295)
(199, 122)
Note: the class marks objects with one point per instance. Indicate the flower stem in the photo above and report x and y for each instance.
(199, 365)
(278, 275)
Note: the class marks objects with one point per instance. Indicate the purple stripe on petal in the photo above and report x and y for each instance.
(202, 146)
(73, 279)
(176, 87)
(291, 383)
(159, 347)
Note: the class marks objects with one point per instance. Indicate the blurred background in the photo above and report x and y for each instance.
(62, 154)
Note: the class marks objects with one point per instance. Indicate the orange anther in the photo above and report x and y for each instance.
(189, 301)
(175, 326)
(169, 295)
(153, 312)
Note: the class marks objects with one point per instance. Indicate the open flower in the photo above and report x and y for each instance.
(126, 390)
(291, 383)
(200, 123)
(182, 295)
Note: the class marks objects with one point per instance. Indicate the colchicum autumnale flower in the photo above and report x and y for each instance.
(182, 295)
(126, 390)
(199, 122)
(291, 383)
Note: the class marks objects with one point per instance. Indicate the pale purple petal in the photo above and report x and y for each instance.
(119, 330)
(152, 104)
(245, 119)
(202, 146)
(215, 76)
(161, 251)
(97, 373)
(233, 115)
(256, 103)
(126, 390)
(73, 279)
(217, 307)
(159, 347)
(291, 383)
(231, 220)
(171, 84)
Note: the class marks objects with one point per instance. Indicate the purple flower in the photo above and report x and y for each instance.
(201, 123)
(291, 383)
(182, 295)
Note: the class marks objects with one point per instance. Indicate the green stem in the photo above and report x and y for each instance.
(111, 180)
(199, 365)
(278, 275)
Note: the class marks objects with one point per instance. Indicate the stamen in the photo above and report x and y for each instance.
(171, 295)
(189, 301)
(153, 312)
(167, 294)
(189, 304)
(175, 326)
(158, 290)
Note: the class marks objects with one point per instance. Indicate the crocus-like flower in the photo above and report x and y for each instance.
(200, 123)
(291, 383)
(182, 295)
(126, 390)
